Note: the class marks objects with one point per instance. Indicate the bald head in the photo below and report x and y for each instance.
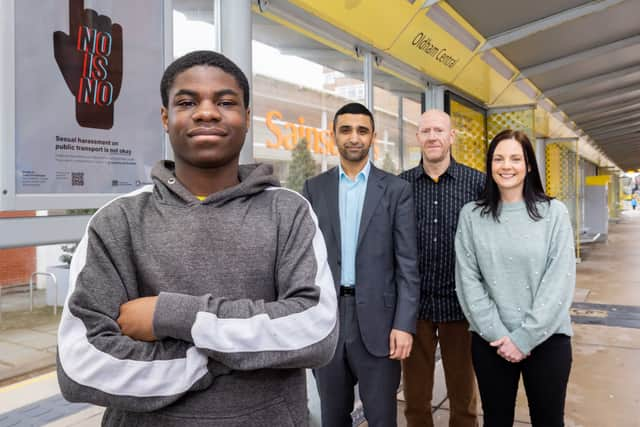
(434, 115)
(435, 137)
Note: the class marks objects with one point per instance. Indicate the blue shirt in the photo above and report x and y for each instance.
(351, 199)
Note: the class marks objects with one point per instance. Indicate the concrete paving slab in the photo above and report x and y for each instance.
(91, 417)
(580, 294)
(606, 336)
(604, 384)
(43, 411)
(29, 338)
(33, 364)
(16, 354)
(28, 349)
(26, 392)
(51, 328)
(610, 271)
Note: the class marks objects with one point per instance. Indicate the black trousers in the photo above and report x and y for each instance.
(545, 374)
(378, 378)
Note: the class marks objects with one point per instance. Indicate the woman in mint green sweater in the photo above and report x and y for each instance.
(515, 277)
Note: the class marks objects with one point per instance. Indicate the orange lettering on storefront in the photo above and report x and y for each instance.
(319, 141)
(274, 129)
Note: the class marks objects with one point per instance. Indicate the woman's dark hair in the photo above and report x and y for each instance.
(532, 191)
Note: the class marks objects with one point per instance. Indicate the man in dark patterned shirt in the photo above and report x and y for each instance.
(441, 186)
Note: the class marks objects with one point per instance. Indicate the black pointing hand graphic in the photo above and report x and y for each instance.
(90, 60)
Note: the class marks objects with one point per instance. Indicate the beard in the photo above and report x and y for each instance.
(354, 156)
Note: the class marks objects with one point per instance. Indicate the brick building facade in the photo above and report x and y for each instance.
(16, 265)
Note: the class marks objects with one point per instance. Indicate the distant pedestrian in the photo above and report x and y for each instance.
(634, 202)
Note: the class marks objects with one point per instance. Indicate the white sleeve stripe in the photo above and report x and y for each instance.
(260, 332)
(88, 366)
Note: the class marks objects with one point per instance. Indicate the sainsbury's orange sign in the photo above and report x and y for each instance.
(287, 134)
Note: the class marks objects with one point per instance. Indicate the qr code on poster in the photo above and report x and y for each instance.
(77, 178)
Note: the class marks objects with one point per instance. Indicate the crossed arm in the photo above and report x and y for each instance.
(144, 353)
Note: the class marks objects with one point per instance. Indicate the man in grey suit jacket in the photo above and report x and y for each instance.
(367, 218)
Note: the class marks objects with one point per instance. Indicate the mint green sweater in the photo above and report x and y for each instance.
(516, 277)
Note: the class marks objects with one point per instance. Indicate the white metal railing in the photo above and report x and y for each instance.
(31, 283)
(55, 290)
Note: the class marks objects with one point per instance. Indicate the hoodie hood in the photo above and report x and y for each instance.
(254, 178)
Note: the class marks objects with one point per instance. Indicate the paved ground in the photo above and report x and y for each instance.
(604, 387)
(27, 339)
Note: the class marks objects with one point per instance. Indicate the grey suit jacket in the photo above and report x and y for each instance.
(387, 280)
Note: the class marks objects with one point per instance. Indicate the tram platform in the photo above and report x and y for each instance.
(604, 387)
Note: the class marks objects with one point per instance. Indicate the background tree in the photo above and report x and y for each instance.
(301, 167)
(388, 164)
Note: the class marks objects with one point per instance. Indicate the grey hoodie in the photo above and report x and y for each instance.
(246, 300)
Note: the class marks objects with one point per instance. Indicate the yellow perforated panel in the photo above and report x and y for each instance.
(553, 168)
(562, 180)
(516, 119)
(470, 147)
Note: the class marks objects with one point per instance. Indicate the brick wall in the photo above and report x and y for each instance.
(16, 265)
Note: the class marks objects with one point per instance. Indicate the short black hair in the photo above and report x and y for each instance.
(206, 58)
(353, 108)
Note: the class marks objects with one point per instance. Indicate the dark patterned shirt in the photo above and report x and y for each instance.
(437, 206)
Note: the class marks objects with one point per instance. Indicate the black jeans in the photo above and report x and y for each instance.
(545, 374)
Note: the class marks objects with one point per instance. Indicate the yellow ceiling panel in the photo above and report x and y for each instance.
(425, 45)
(511, 96)
(480, 80)
(375, 22)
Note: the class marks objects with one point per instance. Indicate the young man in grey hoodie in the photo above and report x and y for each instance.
(198, 300)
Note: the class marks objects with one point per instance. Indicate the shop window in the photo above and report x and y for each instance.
(298, 84)
(396, 111)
